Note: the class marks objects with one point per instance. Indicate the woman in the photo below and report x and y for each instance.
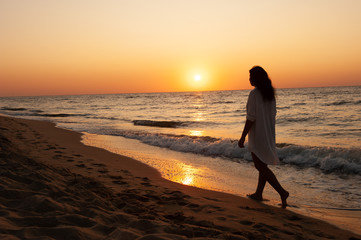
(260, 127)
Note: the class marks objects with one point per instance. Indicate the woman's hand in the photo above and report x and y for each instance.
(241, 142)
(247, 126)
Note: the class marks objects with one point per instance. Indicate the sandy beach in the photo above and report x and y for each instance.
(54, 187)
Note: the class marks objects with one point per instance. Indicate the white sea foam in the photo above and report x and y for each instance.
(338, 160)
(345, 160)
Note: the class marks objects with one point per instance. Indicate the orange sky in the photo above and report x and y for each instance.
(115, 46)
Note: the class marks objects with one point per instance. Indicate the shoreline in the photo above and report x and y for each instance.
(88, 192)
(203, 172)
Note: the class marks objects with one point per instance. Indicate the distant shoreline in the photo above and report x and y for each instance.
(82, 94)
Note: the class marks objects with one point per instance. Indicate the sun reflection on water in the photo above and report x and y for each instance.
(187, 176)
(188, 180)
(196, 133)
(198, 116)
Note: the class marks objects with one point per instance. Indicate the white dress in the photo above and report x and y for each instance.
(261, 136)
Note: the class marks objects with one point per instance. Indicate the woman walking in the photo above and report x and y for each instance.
(260, 127)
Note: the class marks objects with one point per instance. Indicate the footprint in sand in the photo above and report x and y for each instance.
(295, 218)
(212, 199)
(104, 170)
(246, 222)
(98, 164)
(126, 172)
(119, 182)
(101, 170)
(146, 184)
(145, 181)
(50, 147)
(58, 156)
(212, 209)
(20, 136)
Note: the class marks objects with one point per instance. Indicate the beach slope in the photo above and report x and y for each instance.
(54, 187)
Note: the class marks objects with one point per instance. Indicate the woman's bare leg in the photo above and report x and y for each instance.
(265, 174)
(258, 195)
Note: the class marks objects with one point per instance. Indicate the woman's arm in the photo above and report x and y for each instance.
(247, 126)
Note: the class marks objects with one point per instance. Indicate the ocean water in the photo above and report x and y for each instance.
(191, 137)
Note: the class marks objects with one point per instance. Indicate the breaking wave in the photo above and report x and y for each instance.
(342, 102)
(328, 159)
(36, 113)
(164, 124)
(13, 109)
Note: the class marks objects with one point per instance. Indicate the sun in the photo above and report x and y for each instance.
(197, 77)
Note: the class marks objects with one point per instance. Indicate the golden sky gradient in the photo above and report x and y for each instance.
(120, 46)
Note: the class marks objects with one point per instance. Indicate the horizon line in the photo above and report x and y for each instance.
(190, 91)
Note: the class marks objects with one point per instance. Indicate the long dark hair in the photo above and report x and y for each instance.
(259, 78)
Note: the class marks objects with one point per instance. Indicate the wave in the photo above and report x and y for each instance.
(343, 102)
(327, 159)
(13, 109)
(171, 124)
(38, 113)
(164, 124)
(223, 102)
(55, 115)
(106, 118)
(298, 119)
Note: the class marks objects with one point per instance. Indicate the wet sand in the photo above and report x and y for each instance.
(54, 187)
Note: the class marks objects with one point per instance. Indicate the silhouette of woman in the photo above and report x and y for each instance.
(260, 127)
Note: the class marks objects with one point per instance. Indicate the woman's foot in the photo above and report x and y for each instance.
(284, 197)
(255, 196)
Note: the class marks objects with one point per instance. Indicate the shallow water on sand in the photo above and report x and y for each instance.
(313, 193)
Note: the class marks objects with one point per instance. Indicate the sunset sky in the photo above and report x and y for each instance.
(120, 46)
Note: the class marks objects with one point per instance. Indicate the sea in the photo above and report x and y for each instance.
(191, 138)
